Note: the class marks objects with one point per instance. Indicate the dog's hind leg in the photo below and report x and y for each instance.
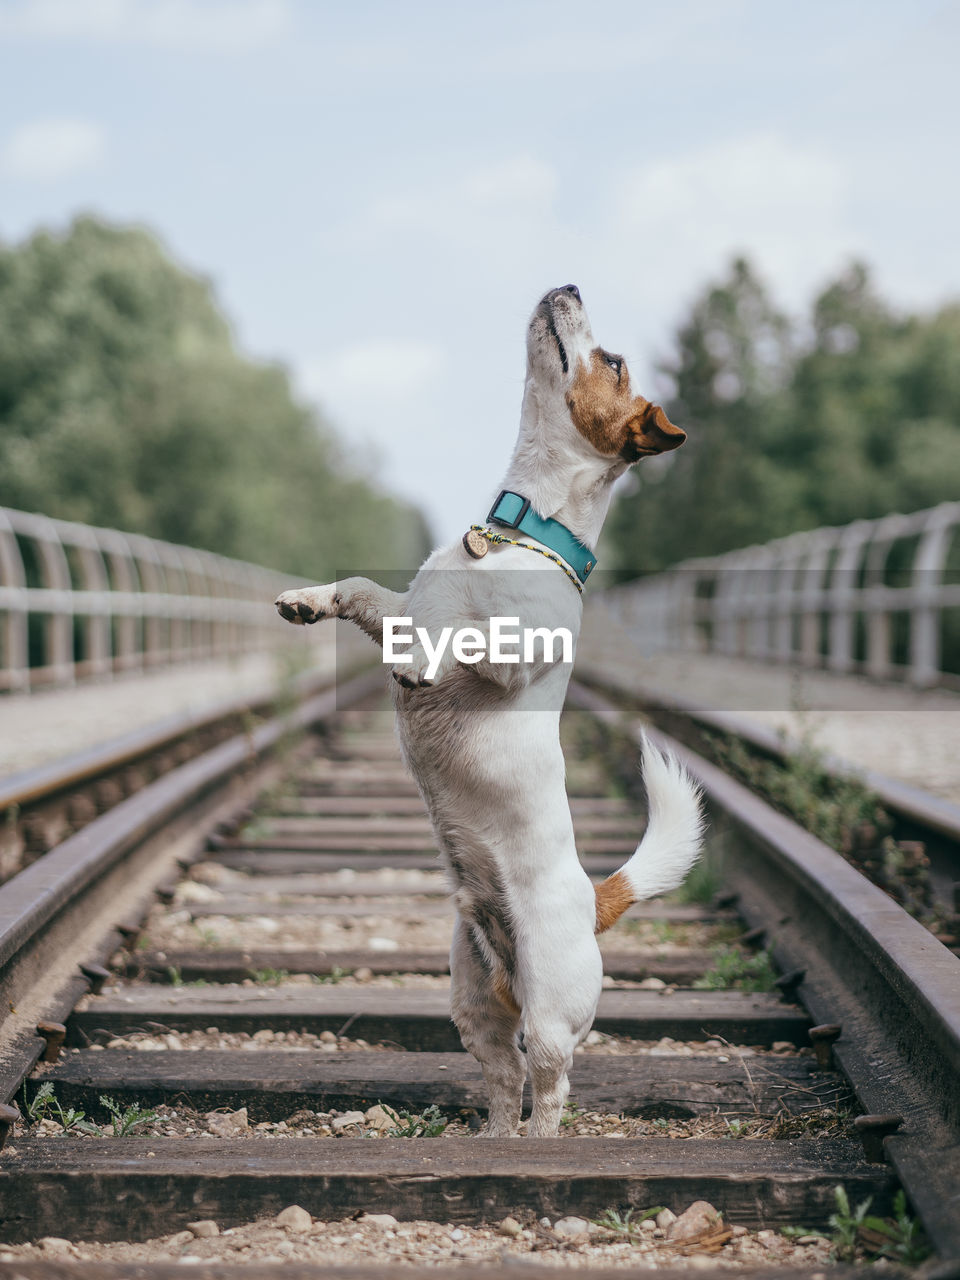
(560, 1000)
(356, 599)
(550, 1052)
(488, 1024)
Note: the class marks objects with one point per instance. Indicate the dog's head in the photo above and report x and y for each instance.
(590, 387)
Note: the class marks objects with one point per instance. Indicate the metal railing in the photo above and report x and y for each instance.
(78, 602)
(876, 597)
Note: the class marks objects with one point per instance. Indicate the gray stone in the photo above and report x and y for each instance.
(665, 1219)
(294, 1219)
(203, 1230)
(571, 1227)
(55, 1245)
(699, 1219)
(349, 1120)
(227, 1124)
(379, 1118)
(383, 1220)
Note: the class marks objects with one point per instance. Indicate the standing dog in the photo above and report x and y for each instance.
(481, 736)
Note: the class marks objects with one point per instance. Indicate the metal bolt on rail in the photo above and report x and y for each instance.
(823, 1038)
(789, 984)
(96, 975)
(872, 1131)
(9, 1116)
(756, 938)
(53, 1035)
(130, 933)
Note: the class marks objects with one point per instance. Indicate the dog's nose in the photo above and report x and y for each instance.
(572, 288)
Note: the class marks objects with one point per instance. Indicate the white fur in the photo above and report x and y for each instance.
(671, 842)
(483, 744)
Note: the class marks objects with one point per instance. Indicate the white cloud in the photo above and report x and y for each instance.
(47, 150)
(783, 204)
(182, 25)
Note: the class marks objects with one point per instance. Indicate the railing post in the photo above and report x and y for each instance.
(927, 576)
(15, 672)
(844, 595)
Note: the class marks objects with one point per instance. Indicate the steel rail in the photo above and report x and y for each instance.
(925, 816)
(40, 908)
(900, 798)
(867, 965)
(46, 780)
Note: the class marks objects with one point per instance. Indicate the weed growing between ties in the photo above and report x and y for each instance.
(626, 1225)
(429, 1123)
(736, 970)
(857, 1235)
(125, 1119)
(46, 1106)
(840, 810)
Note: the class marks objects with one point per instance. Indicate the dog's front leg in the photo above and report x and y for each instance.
(356, 599)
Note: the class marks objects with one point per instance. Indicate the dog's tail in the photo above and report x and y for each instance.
(670, 844)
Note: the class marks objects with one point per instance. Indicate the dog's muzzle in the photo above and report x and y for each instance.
(570, 289)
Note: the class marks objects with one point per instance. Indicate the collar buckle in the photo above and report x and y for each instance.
(505, 521)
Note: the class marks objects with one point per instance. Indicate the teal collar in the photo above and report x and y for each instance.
(513, 511)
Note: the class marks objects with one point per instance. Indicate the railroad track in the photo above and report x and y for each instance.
(276, 993)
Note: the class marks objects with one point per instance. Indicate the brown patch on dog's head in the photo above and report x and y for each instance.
(614, 895)
(615, 421)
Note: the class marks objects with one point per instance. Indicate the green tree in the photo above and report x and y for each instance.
(852, 414)
(123, 402)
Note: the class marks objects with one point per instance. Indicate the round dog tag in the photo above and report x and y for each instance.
(475, 544)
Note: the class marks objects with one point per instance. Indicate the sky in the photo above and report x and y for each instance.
(380, 191)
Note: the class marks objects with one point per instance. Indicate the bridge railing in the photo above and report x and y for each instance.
(78, 602)
(876, 597)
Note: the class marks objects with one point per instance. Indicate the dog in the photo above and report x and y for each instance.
(481, 736)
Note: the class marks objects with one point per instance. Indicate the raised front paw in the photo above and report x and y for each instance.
(307, 605)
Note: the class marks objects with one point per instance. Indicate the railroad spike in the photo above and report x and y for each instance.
(96, 975)
(789, 984)
(724, 899)
(823, 1038)
(756, 938)
(129, 933)
(9, 1116)
(53, 1035)
(872, 1131)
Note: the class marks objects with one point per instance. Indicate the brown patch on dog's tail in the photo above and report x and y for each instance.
(614, 895)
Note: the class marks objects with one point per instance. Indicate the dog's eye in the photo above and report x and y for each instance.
(614, 362)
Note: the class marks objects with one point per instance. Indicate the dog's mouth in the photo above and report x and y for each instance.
(547, 308)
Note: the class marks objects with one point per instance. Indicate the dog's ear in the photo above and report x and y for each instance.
(650, 431)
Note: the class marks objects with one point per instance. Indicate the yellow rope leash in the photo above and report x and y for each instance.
(498, 537)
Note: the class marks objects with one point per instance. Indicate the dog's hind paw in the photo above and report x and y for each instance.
(307, 605)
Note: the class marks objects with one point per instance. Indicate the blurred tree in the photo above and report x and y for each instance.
(123, 402)
(853, 417)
